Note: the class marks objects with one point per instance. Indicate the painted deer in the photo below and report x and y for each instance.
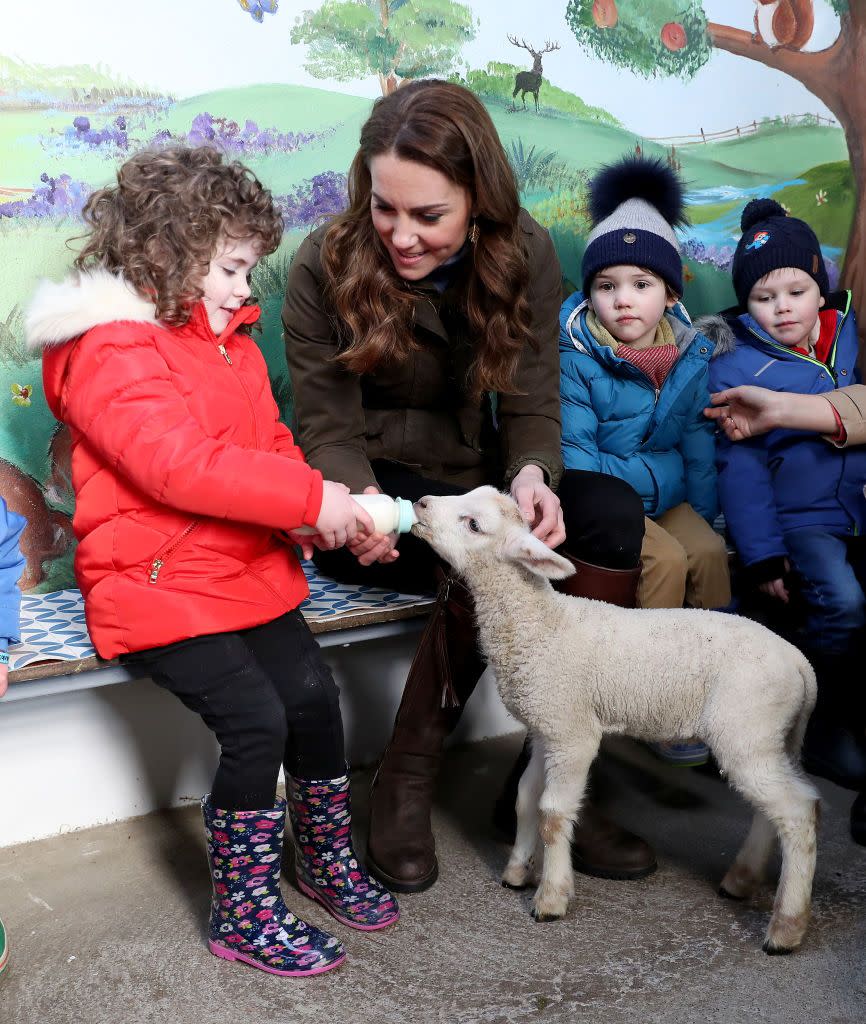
(530, 81)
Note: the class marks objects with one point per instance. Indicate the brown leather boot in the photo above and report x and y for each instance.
(444, 671)
(599, 846)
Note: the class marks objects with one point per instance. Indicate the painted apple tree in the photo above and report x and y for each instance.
(674, 37)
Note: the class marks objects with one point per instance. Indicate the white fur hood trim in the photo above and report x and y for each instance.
(60, 312)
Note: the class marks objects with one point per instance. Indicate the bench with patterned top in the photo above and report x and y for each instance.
(55, 642)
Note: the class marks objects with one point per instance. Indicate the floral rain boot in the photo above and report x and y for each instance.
(326, 865)
(249, 920)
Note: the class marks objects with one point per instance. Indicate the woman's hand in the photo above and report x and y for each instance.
(538, 505)
(374, 547)
(747, 411)
(4, 678)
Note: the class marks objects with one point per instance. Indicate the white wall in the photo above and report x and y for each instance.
(77, 759)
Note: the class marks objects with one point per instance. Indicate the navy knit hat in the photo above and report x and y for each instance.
(635, 205)
(772, 240)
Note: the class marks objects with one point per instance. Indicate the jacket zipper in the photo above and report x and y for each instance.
(830, 365)
(163, 555)
(224, 353)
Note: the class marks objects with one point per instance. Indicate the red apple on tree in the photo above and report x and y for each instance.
(604, 13)
(674, 36)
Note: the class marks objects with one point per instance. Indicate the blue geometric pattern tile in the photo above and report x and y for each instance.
(53, 626)
(52, 629)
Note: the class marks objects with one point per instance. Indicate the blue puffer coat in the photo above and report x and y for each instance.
(787, 478)
(614, 420)
(11, 567)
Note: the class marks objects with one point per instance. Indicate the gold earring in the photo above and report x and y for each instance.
(474, 232)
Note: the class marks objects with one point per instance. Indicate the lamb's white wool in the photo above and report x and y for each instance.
(573, 669)
(64, 310)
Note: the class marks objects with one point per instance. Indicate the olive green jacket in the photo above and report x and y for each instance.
(417, 412)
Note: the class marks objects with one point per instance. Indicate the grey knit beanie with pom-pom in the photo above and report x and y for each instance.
(772, 240)
(635, 205)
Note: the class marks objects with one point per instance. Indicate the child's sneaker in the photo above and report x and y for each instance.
(690, 753)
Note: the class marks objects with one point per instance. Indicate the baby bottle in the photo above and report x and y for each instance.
(389, 515)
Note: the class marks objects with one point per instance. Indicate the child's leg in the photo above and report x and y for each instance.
(289, 654)
(217, 677)
(828, 582)
(665, 565)
(327, 868)
(708, 583)
(835, 746)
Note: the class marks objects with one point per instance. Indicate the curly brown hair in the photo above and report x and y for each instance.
(164, 221)
(443, 126)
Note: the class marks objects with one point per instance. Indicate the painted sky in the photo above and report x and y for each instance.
(194, 46)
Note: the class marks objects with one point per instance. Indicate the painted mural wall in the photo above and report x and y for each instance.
(744, 97)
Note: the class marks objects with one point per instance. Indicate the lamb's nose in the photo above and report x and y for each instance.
(422, 502)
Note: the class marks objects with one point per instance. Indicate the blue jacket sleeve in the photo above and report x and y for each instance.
(698, 448)
(748, 500)
(11, 567)
(579, 420)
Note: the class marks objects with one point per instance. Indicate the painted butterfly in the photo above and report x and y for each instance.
(257, 9)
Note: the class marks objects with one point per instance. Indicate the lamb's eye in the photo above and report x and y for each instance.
(473, 526)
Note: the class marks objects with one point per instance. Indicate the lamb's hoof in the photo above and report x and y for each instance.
(516, 876)
(728, 895)
(785, 934)
(549, 907)
(738, 884)
(514, 887)
(773, 950)
(541, 918)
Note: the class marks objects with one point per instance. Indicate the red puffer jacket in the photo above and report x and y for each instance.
(181, 468)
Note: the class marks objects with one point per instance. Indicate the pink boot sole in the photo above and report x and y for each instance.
(308, 890)
(224, 953)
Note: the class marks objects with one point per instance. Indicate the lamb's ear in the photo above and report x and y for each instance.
(520, 546)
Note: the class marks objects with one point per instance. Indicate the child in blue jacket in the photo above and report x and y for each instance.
(793, 502)
(11, 567)
(634, 383)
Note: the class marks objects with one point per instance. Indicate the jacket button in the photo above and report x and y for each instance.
(704, 350)
(844, 373)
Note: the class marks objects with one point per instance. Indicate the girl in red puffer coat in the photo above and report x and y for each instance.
(188, 489)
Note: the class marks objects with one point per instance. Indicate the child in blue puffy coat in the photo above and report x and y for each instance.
(793, 502)
(634, 383)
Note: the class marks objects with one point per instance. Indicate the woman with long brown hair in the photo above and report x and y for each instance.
(422, 335)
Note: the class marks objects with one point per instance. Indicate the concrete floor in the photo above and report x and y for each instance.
(107, 925)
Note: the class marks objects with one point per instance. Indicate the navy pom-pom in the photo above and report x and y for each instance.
(759, 210)
(637, 177)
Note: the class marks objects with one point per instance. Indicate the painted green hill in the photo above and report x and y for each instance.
(18, 76)
(832, 215)
(496, 82)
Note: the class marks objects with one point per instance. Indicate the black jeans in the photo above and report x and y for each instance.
(268, 697)
(604, 525)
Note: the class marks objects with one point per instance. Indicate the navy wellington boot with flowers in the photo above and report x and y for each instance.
(326, 866)
(249, 920)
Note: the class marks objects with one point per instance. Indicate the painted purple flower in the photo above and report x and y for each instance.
(81, 124)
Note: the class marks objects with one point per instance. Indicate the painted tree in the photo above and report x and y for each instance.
(393, 39)
(673, 37)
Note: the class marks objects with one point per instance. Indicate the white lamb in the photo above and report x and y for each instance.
(572, 669)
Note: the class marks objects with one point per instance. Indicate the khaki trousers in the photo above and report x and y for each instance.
(684, 562)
